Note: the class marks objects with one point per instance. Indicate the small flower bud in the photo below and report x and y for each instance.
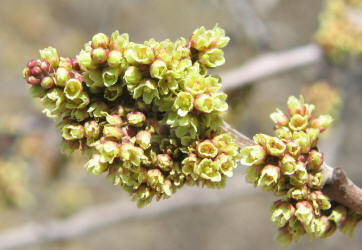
(62, 76)
(338, 214)
(131, 153)
(315, 180)
(295, 106)
(206, 149)
(313, 135)
(189, 164)
(158, 69)
(298, 193)
(318, 226)
(45, 67)
(100, 40)
(279, 118)
(288, 165)
(275, 146)
(119, 41)
(110, 131)
(132, 75)
(304, 212)
(281, 212)
(284, 133)
(47, 82)
(108, 150)
(66, 63)
(315, 160)
(302, 140)
(293, 148)
(91, 129)
(219, 100)
(114, 58)
(252, 155)
(51, 55)
(300, 175)
(322, 122)
(136, 118)
(143, 139)
(73, 132)
(154, 177)
(85, 61)
(261, 139)
(32, 80)
(99, 55)
(95, 165)
(204, 103)
(226, 143)
(269, 176)
(114, 120)
(73, 89)
(165, 162)
(319, 201)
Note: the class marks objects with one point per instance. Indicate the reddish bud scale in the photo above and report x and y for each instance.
(304, 204)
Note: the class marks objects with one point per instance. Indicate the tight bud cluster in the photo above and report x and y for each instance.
(289, 165)
(339, 34)
(146, 114)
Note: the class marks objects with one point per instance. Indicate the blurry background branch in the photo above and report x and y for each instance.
(270, 64)
(96, 217)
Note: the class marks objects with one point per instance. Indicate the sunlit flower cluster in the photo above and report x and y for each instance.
(340, 31)
(146, 114)
(289, 165)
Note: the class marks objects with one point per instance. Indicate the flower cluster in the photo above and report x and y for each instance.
(326, 98)
(289, 165)
(13, 183)
(339, 34)
(147, 114)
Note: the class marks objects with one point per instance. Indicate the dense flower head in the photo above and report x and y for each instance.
(289, 165)
(147, 115)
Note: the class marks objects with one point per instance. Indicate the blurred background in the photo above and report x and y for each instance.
(38, 184)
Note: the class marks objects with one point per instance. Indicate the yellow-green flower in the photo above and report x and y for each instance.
(252, 155)
(73, 132)
(208, 169)
(281, 212)
(184, 103)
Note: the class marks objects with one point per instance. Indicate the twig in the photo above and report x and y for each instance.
(270, 64)
(336, 184)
